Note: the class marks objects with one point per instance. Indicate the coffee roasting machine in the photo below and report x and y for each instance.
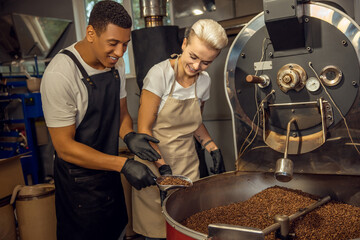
(292, 83)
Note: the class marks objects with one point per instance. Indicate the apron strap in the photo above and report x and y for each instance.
(195, 87)
(115, 73)
(78, 64)
(175, 72)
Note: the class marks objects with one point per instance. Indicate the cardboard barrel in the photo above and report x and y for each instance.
(7, 220)
(35, 210)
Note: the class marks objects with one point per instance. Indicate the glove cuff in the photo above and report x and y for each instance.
(128, 135)
(165, 169)
(215, 151)
(124, 166)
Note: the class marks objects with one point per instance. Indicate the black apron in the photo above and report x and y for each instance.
(90, 203)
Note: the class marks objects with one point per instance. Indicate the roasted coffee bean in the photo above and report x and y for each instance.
(332, 221)
(171, 180)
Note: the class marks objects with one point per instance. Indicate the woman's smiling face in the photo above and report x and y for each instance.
(197, 55)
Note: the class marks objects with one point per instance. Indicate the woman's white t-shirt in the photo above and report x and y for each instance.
(161, 77)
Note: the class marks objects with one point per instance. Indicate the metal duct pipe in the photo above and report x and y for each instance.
(153, 12)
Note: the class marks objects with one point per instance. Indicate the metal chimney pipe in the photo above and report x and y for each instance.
(153, 12)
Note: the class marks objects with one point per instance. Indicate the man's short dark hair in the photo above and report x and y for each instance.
(106, 12)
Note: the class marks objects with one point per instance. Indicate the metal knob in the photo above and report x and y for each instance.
(262, 81)
(291, 76)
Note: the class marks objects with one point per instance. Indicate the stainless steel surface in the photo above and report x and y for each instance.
(152, 8)
(153, 21)
(284, 169)
(186, 8)
(331, 75)
(262, 81)
(281, 9)
(153, 12)
(33, 34)
(325, 160)
(301, 212)
(227, 188)
(282, 224)
(320, 143)
(307, 114)
(292, 121)
(266, 81)
(291, 76)
(267, 65)
(231, 232)
(284, 166)
(163, 187)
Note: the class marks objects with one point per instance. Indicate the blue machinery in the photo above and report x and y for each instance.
(14, 141)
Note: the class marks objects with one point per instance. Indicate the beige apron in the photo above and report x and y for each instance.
(174, 127)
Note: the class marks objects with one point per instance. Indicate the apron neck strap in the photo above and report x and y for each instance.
(175, 75)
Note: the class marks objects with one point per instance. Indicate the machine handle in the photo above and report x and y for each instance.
(254, 79)
(229, 232)
(298, 214)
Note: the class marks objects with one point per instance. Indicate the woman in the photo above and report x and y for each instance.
(171, 103)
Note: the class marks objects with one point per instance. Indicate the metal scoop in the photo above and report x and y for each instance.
(281, 225)
(164, 188)
(284, 166)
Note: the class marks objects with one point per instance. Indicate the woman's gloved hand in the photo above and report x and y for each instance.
(165, 170)
(219, 166)
(138, 143)
(138, 174)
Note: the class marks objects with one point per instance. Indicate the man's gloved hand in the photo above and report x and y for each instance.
(138, 143)
(165, 170)
(138, 174)
(219, 166)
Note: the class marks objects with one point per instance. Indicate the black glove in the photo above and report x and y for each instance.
(219, 166)
(138, 143)
(138, 174)
(165, 170)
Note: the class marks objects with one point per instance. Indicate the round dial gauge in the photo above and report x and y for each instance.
(312, 84)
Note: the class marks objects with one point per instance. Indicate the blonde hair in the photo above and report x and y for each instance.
(209, 31)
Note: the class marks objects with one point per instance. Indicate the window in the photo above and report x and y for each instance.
(89, 4)
(82, 11)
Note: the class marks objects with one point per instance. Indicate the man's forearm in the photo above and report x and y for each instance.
(80, 154)
(87, 157)
(126, 125)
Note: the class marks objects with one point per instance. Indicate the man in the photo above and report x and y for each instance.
(84, 102)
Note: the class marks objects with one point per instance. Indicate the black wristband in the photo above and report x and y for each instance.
(207, 143)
